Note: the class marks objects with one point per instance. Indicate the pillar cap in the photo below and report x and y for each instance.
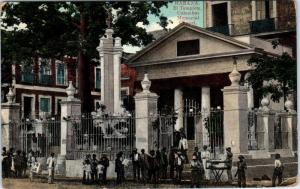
(10, 96)
(235, 75)
(265, 102)
(289, 106)
(70, 91)
(146, 84)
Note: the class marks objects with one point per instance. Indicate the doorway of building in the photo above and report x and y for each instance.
(219, 14)
(28, 106)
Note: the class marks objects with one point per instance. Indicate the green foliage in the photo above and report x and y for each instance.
(55, 29)
(274, 75)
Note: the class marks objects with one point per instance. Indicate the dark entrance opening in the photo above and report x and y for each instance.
(27, 106)
(190, 127)
(219, 13)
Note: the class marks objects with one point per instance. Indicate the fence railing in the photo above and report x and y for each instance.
(98, 135)
(41, 136)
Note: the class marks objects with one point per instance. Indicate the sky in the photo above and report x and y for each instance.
(177, 12)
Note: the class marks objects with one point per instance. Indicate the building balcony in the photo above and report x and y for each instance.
(261, 26)
(220, 29)
(27, 77)
(46, 79)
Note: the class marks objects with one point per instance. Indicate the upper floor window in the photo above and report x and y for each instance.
(61, 73)
(44, 104)
(27, 73)
(97, 78)
(189, 47)
(45, 71)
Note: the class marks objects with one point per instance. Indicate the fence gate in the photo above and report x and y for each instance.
(40, 135)
(95, 134)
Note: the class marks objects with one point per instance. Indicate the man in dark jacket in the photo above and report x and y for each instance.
(94, 163)
(241, 171)
(164, 163)
(172, 162)
(105, 162)
(119, 168)
(144, 165)
(135, 157)
(152, 167)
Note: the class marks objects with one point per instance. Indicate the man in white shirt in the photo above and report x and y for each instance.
(51, 161)
(205, 155)
(278, 170)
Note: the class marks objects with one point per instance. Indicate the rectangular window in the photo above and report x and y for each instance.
(98, 78)
(60, 74)
(44, 104)
(189, 47)
(58, 105)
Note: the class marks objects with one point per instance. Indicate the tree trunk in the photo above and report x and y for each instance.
(84, 72)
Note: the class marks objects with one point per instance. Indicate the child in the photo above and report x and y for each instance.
(86, 171)
(100, 172)
(277, 170)
(196, 171)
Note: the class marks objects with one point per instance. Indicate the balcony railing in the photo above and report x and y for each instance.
(260, 26)
(46, 79)
(220, 29)
(27, 77)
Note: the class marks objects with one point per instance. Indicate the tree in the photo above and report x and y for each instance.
(56, 29)
(273, 75)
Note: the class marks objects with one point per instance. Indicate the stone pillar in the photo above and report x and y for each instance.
(290, 125)
(146, 112)
(205, 109)
(178, 107)
(70, 107)
(235, 114)
(10, 116)
(110, 52)
(265, 127)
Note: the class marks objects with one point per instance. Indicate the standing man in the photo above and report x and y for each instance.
(241, 168)
(51, 161)
(152, 173)
(278, 170)
(105, 162)
(144, 165)
(197, 153)
(205, 155)
(196, 166)
(229, 164)
(135, 157)
(179, 161)
(172, 162)
(94, 163)
(119, 168)
(183, 146)
(164, 163)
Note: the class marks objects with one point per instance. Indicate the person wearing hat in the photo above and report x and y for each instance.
(196, 166)
(51, 161)
(94, 164)
(241, 171)
(119, 168)
(144, 165)
(164, 163)
(228, 164)
(153, 166)
(104, 161)
(278, 170)
(135, 157)
(171, 160)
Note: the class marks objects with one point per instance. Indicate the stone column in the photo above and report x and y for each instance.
(110, 52)
(178, 107)
(205, 109)
(70, 107)
(290, 125)
(10, 117)
(146, 112)
(235, 114)
(265, 127)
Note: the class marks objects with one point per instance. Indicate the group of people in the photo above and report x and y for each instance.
(94, 170)
(16, 163)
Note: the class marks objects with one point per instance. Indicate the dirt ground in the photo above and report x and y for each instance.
(76, 184)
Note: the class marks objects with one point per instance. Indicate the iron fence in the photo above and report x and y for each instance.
(101, 134)
(41, 136)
